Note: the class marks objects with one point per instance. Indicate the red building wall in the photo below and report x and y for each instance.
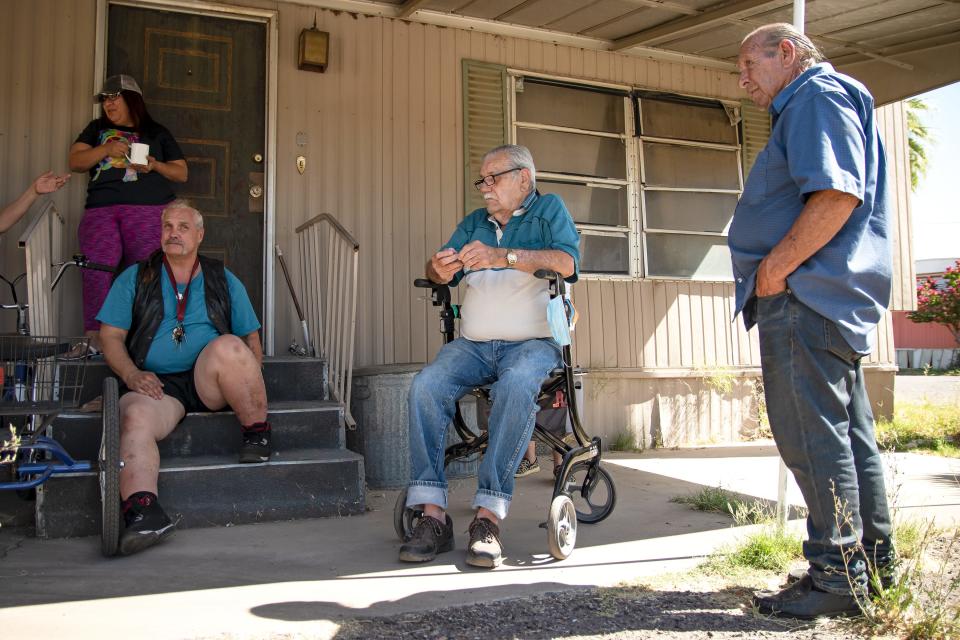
(928, 335)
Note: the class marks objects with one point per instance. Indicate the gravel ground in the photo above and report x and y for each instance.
(690, 606)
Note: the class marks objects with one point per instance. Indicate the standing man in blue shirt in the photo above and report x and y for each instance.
(811, 250)
(505, 341)
(180, 332)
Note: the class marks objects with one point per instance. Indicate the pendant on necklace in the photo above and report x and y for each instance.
(178, 334)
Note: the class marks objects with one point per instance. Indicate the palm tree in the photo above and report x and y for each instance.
(919, 138)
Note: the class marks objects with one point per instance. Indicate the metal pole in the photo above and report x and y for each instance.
(799, 8)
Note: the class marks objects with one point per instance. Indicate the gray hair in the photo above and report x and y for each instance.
(183, 203)
(519, 156)
(770, 36)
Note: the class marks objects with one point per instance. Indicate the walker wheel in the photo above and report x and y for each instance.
(562, 527)
(405, 519)
(591, 488)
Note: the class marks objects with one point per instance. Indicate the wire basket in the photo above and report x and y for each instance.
(40, 374)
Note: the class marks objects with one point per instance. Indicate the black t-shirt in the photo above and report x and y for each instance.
(113, 182)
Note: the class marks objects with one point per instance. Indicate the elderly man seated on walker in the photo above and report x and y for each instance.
(180, 332)
(505, 340)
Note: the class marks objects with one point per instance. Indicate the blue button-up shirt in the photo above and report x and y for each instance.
(823, 137)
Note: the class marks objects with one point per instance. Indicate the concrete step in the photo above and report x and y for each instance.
(214, 490)
(296, 424)
(286, 378)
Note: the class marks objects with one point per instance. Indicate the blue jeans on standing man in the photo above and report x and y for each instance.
(822, 422)
(516, 370)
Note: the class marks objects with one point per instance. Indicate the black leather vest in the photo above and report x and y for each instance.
(148, 302)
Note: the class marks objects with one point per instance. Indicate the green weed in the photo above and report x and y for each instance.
(928, 427)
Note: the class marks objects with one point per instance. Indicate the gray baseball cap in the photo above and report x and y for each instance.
(115, 84)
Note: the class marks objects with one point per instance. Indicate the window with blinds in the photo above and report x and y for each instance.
(651, 179)
(690, 180)
(579, 141)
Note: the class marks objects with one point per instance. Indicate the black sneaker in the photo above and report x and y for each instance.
(256, 445)
(429, 538)
(485, 549)
(804, 601)
(147, 524)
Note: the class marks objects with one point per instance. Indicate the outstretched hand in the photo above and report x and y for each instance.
(49, 182)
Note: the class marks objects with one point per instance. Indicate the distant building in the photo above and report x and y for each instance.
(927, 343)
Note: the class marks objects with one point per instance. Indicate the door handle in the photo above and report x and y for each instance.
(255, 191)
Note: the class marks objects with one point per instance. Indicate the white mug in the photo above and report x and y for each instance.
(138, 153)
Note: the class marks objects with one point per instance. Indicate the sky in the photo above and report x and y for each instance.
(936, 202)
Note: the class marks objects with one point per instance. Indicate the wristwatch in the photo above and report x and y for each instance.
(511, 258)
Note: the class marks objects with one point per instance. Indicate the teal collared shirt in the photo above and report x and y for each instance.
(542, 222)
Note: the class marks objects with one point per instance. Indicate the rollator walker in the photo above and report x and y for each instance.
(583, 491)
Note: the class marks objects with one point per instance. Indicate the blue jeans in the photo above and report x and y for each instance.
(823, 426)
(516, 370)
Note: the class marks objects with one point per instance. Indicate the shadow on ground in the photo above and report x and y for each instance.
(557, 611)
(331, 551)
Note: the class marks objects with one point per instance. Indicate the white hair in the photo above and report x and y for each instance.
(770, 36)
(519, 156)
(183, 203)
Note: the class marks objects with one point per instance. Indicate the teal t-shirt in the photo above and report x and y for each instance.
(165, 356)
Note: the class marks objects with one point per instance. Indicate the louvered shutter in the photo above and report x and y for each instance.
(755, 126)
(484, 121)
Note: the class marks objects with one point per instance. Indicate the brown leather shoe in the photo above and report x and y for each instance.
(429, 538)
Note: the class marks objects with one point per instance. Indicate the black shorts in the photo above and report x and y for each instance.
(181, 387)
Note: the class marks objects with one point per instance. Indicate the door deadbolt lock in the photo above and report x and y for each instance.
(256, 191)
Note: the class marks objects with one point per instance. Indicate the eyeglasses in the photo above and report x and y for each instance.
(491, 179)
(106, 97)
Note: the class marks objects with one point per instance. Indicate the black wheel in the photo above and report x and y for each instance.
(109, 462)
(593, 494)
(404, 518)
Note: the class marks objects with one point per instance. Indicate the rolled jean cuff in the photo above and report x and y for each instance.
(419, 493)
(834, 581)
(498, 503)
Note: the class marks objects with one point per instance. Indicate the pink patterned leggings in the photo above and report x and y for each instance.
(121, 235)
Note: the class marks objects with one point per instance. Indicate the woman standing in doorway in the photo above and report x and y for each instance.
(121, 224)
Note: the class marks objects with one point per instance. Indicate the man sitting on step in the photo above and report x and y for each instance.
(180, 332)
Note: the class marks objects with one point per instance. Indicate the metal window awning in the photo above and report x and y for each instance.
(898, 48)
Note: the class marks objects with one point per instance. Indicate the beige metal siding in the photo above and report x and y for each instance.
(384, 155)
(46, 88)
(892, 123)
(384, 149)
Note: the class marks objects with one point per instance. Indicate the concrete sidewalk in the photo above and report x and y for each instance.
(304, 578)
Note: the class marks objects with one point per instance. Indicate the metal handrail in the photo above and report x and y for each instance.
(329, 259)
(42, 241)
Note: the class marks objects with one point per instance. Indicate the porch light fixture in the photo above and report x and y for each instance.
(314, 49)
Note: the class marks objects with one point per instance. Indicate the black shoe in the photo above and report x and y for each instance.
(256, 445)
(886, 578)
(485, 549)
(804, 601)
(429, 538)
(147, 524)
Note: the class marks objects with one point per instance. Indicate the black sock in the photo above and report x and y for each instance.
(135, 503)
(256, 427)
